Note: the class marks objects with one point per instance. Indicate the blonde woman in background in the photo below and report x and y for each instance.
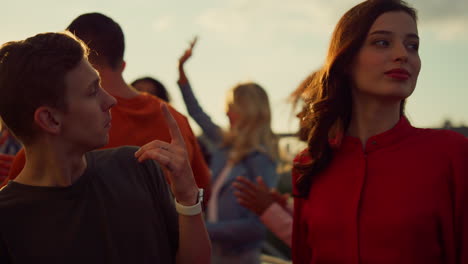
(250, 149)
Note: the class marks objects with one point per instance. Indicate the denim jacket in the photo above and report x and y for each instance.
(237, 229)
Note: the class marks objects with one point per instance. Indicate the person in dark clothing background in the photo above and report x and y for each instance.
(71, 203)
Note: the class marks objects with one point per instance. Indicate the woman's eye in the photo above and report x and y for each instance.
(381, 43)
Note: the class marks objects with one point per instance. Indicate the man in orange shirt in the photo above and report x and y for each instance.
(137, 117)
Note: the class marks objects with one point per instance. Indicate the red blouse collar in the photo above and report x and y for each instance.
(390, 137)
(398, 133)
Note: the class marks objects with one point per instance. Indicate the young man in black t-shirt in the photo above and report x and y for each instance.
(71, 204)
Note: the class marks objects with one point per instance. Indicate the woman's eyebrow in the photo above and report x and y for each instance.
(386, 32)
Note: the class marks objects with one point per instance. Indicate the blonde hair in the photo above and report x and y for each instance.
(252, 131)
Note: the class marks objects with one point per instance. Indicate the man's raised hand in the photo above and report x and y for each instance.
(173, 156)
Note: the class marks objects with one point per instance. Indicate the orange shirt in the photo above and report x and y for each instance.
(139, 120)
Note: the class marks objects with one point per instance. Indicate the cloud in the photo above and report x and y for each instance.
(238, 20)
(448, 29)
(163, 23)
(222, 20)
(435, 10)
(447, 19)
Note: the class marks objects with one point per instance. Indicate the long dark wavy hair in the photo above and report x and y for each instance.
(328, 97)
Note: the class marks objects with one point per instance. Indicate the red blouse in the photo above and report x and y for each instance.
(403, 199)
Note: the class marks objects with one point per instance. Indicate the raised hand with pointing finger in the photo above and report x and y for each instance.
(194, 243)
(173, 156)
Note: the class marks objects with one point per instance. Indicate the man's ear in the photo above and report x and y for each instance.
(122, 66)
(48, 119)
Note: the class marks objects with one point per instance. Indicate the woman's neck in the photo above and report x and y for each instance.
(372, 117)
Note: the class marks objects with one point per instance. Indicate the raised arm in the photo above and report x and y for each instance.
(194, 244)
(211, 130)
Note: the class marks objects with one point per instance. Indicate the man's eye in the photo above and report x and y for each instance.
(95, 90)
(413, 46)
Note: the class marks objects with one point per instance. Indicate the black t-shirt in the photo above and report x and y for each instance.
(118, 211)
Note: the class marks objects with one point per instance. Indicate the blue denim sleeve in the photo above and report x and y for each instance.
(211, 130)
(249, 228)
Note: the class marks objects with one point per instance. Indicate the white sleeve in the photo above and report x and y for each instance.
(279, 221)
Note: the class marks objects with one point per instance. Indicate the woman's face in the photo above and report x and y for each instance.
(232, 114)
(387, 65)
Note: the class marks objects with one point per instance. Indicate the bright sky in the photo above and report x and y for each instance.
(273, 42)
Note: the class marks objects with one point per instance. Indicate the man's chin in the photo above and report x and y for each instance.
(102, 144)
(105, 142)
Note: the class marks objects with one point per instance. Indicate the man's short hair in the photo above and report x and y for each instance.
(103, 36)
(32, 74)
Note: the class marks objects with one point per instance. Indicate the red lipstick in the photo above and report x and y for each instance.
(398, 74)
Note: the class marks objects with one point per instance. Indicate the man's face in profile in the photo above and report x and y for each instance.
(87, 119)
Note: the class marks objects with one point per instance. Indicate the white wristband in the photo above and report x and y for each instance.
(193, 209)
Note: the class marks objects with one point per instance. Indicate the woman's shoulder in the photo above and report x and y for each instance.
(441, 144)
(302, 158)
(442, 138)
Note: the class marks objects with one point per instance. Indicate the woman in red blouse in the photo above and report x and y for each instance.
(370, 188)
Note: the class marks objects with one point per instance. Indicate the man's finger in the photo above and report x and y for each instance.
(246, 204)
(249, 184)
(261, 183)
(152, 145)
(241, 198)
(158, 156)
(241, 195)
(244, 189)
(174, 130)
